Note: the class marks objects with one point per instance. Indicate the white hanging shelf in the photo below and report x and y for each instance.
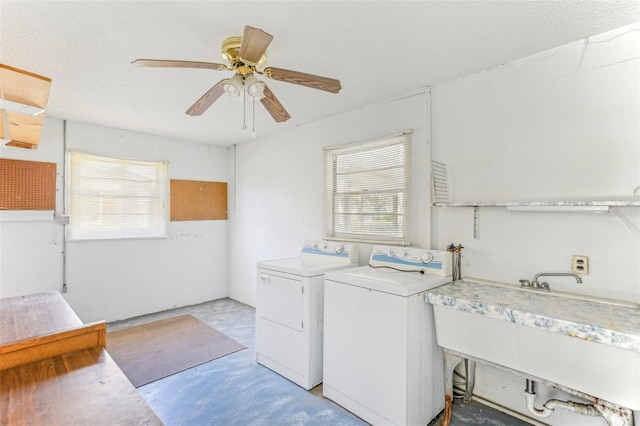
(548, 207)
(543, 204)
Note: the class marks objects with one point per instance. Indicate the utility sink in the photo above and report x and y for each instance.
(582, 343)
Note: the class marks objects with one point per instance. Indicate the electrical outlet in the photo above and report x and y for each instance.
(580, 264)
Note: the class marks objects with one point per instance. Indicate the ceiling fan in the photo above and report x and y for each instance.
(246, 55)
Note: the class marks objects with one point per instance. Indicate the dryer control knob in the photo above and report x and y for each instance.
(340, 249)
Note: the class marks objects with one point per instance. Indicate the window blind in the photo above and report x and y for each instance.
(115, 198)
(368, 191)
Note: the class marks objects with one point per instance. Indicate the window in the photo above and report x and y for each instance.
(368, 191)
(114, 198)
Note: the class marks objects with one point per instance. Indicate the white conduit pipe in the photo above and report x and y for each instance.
(550, 405)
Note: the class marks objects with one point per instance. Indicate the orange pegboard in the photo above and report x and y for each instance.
(27, 185)
(198, 200)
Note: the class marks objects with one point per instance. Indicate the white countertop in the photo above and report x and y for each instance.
(590, 320)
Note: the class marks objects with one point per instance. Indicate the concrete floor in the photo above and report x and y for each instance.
(235, 390)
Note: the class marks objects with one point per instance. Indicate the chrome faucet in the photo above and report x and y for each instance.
(545, 286)
(557, 274)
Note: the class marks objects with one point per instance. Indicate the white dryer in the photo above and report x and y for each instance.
(381, 359)
(289, 311)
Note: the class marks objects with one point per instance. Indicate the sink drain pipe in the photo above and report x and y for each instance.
(550, 405)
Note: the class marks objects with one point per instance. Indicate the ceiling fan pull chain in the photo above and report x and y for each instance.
(244, 107)
(253, 117)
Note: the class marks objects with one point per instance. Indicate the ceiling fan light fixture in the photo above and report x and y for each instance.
(255, 87)
(233, 86)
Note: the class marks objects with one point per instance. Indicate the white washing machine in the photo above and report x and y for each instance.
(289, 311)
(381, 358)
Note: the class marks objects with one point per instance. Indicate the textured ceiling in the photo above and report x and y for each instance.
(378, 50)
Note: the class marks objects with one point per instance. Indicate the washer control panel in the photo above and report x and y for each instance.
(416, 259)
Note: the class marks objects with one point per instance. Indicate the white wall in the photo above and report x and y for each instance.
(561, 125)
(280, 184)
(31, 252)
(116, 279)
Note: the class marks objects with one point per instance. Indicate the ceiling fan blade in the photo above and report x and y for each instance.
(207, 99)
(254, 44)
(178, 64)
(273, 105)
(309, 80)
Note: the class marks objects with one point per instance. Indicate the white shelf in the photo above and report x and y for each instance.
(26, 215)
(618, 203)
(550, 207)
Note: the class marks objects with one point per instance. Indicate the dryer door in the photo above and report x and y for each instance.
(280, 300)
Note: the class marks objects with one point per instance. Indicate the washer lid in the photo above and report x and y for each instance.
(401, 283)
(304, 266)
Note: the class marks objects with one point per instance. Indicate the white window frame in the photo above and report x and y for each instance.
(368, 191)
(114, 198)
